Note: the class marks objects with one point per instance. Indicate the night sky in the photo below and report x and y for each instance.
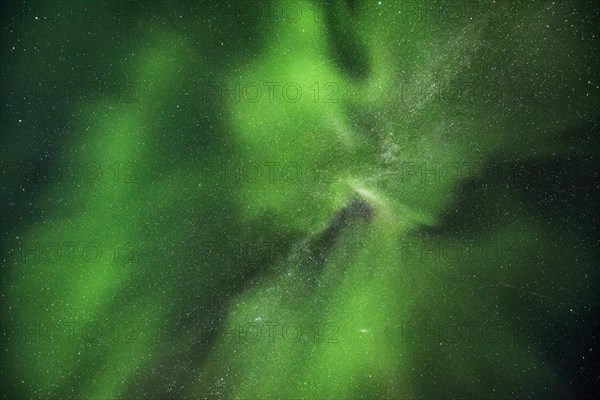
(299, 199)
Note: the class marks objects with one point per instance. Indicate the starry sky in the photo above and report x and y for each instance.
(299, 199)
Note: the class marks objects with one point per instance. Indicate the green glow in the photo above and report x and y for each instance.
(354, 303)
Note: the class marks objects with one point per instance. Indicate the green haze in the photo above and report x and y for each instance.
(350, 200)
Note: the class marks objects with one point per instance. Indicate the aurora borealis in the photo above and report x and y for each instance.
(299, 199)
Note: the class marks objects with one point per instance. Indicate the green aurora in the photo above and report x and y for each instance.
(316, 200)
